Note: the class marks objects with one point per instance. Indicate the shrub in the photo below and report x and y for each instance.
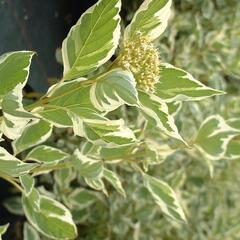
(108, 123)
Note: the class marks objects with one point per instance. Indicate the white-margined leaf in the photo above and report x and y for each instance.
(214, 136)
(234, 123)
(28, 183)
(80, 216)
(3, 230)
(14, 70)
(12, 166)
(164, 197)
(87, 167)
(93, 40)
(156, 112)
(97, 184)
(36, 132)
(29, 233)
(176, 84)
(14, 205)
(174, 107)
(89, 124)
(15, 117)
(64, 177)
(233, 147)
(50, 217)
(109, 133)
(112, 178)
(150, 19)
(112, 154)
(81, 198)
(63, 97)
(113, 89)
(46, 154)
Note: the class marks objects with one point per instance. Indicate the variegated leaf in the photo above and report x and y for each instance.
(29, 233)
(15, 117)
(81, 198)
(64, 177)
(89, 124)
(150, 19)
(113, 89)
(28, 183)
(174, 107)
(214, 136)
(233, 147)
(156, 112)
(50, 217)
(93, 40)
(36, 132)
(3, 230)
(176, 84)
(12, 166)
(87, 167)
(164, 197)
(46, 154)
(97, 184)
(14, 205)
(14, 70)
(112, 178)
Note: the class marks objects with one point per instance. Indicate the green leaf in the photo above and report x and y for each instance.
(91, 125)
(108, 154)
(164, 197)
(28, 183)
(113, 89)
(36, 132)
(234, 123)
(214, 136)
(61, 99)
(3, 228)
(50, 218)
(108, 133)
(156, 112)
(93, 40)
(87, 167)
(47, 155)
(233, 147)
(233, 151)
(80, 216)
(14, 205)
(97, 184)
(15, 117)
(174, 107)
(150, 19)
(112, 178)
(63, 177)
(14, 70)
(81, 199)
(176, 84)
(12, 166)
(29, 233)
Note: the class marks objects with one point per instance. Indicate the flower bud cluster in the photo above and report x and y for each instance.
(141, 57)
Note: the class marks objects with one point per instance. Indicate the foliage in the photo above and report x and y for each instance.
(106, 126)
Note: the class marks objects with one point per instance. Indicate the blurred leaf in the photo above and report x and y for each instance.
(164, 197)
